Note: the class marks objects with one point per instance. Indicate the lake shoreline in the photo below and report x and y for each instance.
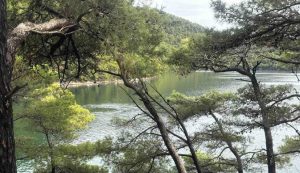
(75, 84)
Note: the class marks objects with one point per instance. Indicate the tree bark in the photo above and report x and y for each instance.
(7, 143)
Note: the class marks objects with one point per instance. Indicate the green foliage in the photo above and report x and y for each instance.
(243, 103)
(209, 163)
(38, 75)
(141, 156)
(74, 158)
(176, 28)
(54, 110)
(54, 113)
(164, 50)
(104, 147)
(215, 50)
(75, 168)
(182, 58)
(291, 145)
(188, 106)
(138, 66)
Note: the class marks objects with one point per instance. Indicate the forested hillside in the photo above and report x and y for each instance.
(177, 28)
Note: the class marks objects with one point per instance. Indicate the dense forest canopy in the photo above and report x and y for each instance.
(45, 45)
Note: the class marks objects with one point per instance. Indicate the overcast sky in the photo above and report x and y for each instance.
(198, 11)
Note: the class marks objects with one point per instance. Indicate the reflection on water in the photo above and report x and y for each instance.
(194, 84)
(110, 101)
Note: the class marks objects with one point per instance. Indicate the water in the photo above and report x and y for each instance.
(110, 101)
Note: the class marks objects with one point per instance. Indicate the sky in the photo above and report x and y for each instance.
(197, 11)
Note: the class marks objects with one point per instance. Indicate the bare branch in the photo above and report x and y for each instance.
(284, 98)
(282, 60)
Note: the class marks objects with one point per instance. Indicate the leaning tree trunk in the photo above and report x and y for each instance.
(155, 116)
(164, 134)
(161, 126)
(7, 143)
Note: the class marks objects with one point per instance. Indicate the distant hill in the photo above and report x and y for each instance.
(177, 28)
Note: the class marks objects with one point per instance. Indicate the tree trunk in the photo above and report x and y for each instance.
(267, 129)
(173, 152)
(7, 146)
(270, 152)
(162, 129)
(191, 147)
(53, 167)
(7, 143)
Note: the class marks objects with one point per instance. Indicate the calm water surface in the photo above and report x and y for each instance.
(110, 101)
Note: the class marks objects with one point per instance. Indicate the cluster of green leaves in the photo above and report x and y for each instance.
(291, 145)
(57, 111)
(182, 57)
(53, 115)
(32, 76)
(142, 155)
(209, 163)
(73, 158)
(189, 106)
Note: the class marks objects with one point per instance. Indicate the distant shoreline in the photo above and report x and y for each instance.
(75, 84)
